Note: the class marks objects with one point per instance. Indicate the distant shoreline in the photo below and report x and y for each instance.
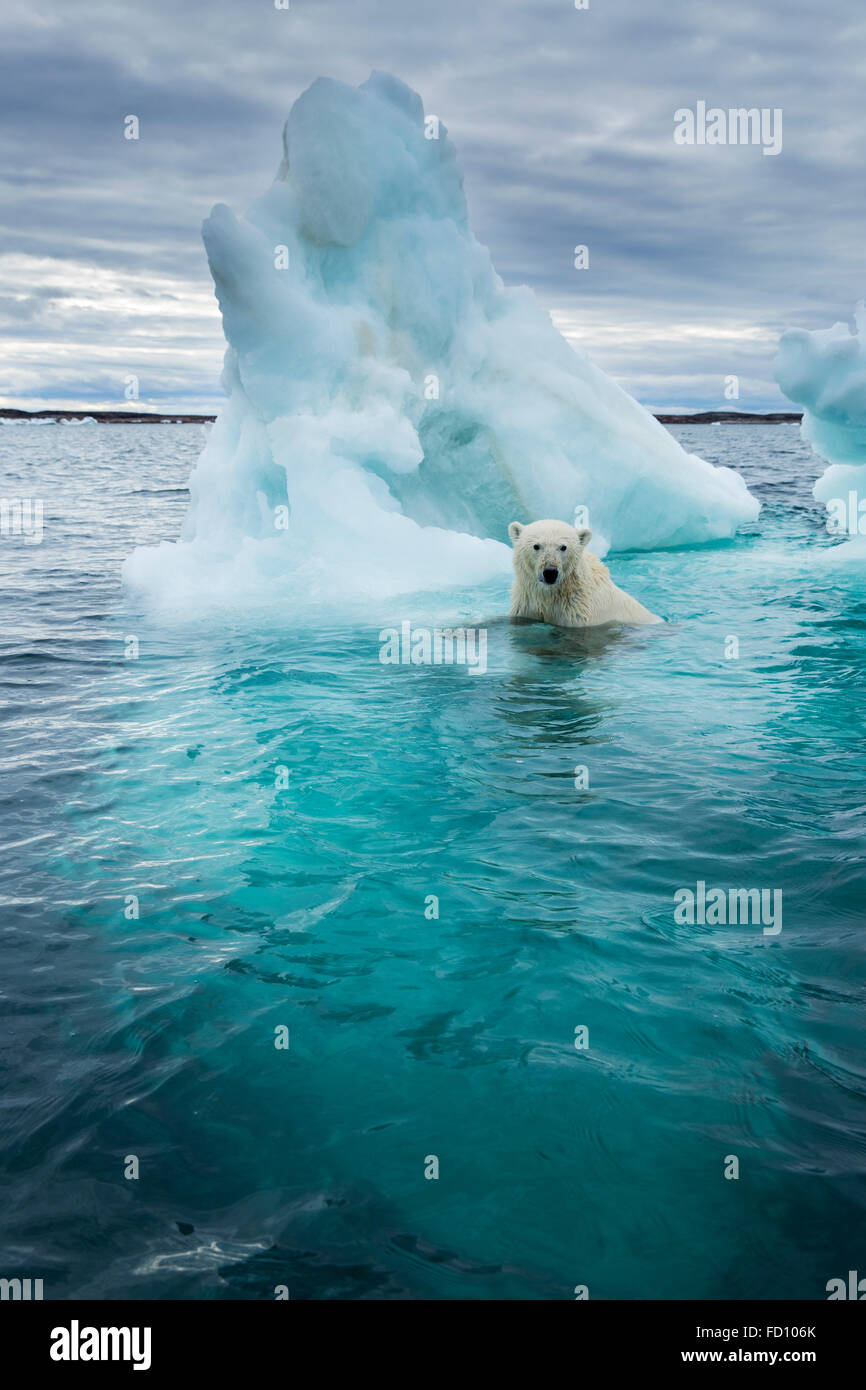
(129, 417)
(733, 417)
(108, 417)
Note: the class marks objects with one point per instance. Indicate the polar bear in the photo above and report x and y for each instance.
(557, 580)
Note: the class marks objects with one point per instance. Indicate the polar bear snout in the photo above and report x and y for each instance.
(549, 575)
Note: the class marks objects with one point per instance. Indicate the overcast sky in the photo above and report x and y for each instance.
(563, 121)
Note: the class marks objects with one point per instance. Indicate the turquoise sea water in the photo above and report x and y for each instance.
(414, 1036)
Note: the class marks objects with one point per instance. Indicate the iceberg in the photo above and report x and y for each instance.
(825, 373)
(392, 405)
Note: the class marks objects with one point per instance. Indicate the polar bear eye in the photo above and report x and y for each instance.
(562, 548)
(536, 547)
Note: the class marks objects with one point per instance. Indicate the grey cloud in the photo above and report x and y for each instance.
(563, 123)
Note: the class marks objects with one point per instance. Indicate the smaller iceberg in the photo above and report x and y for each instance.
(825, 373)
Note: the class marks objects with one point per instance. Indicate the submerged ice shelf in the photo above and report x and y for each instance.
(392, 406)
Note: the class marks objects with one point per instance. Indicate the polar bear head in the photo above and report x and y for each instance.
(547, 552)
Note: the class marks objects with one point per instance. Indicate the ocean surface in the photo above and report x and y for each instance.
(304, 901)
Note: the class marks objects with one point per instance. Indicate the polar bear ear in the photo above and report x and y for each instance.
(584, 535)
(515, 529)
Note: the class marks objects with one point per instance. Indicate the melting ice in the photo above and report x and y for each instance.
(391, 404)
(825, 373)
